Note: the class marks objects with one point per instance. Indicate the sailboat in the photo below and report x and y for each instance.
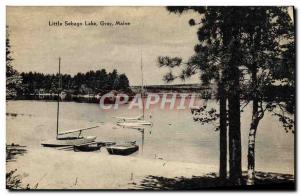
(139, 121)
(63, 138)
(129, 118)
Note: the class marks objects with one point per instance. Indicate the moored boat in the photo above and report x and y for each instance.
(68, 141)
(61, 138)
(138, 121)
(124, 150)
(134, 123)
(94, 146)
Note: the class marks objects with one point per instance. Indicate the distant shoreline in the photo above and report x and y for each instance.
(94, 98)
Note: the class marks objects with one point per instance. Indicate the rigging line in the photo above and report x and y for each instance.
(142, 88)
(58, 93)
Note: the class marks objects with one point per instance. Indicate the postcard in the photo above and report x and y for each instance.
(150, 98)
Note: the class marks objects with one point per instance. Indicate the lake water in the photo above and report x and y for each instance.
(174, 135)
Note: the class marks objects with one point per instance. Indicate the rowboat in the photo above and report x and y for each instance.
(87, 147)
(124, 150)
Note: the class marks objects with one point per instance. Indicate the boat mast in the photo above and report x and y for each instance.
(58, 93)
(142, 88)
(143, 139)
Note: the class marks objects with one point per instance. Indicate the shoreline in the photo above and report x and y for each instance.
(49, 168)
(64, 169)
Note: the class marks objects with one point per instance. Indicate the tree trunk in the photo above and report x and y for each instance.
(231, 38)
(223, 132)
(251, 149)
(253, 129)
(235, 148)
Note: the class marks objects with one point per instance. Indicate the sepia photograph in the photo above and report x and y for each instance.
(157, 98)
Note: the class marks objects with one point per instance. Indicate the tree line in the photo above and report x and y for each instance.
(246, 52)
(91, 82)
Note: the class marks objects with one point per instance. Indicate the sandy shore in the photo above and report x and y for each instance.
(49, 168)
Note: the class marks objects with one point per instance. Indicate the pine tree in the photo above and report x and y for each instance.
(13, 79)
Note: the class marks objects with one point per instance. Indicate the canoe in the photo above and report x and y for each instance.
(68, 141)
(122, 149)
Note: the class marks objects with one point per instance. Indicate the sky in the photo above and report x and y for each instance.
(152, 32)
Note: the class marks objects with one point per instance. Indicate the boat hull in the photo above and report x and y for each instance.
(87, 147)
(122, 149)
(71, 141)
(134, 124)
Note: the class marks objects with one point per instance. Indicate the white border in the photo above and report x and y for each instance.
(4, 3)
